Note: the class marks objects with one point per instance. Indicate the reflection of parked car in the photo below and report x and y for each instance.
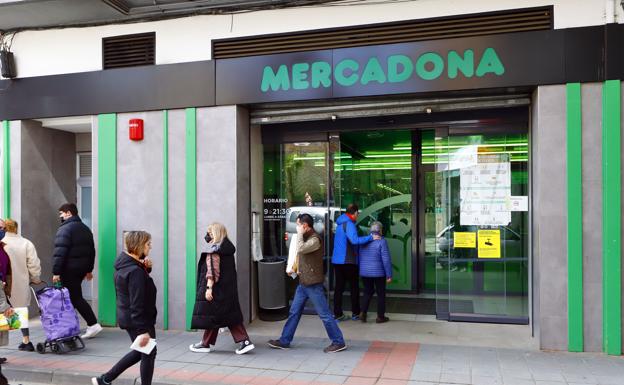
(511, 241)
(317, 213)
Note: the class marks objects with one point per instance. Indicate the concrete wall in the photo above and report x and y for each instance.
(177, 220)
(48, 179)
(591, 99)
(140, 188)
(69, 50)
(550, 217)
(223, 192)
(83, 142)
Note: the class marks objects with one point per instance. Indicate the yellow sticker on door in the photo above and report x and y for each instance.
(489, 244)
(464, 240)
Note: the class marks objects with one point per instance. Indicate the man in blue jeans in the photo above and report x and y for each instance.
(309, 267)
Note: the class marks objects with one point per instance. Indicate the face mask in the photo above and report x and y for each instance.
(208, 238)
(2, 234)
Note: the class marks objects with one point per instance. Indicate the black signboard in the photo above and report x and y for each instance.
(518, 59)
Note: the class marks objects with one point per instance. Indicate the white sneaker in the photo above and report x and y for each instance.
(245, 346)
(92, 331)
(199, 348)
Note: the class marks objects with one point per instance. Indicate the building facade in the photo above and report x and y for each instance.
(485, 137)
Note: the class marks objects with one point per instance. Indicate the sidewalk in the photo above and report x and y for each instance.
(365, 362)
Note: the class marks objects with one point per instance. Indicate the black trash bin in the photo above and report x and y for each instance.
(272, 289)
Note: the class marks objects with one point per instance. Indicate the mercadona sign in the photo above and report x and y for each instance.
(395, 69)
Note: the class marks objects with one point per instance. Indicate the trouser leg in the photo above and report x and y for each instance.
(74, 286)
(368, 293)
(339, 289)
(210, 337)
(239, 333)
(380, 288)
(353, 275)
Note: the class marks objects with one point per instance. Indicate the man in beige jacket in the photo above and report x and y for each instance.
(25, 269)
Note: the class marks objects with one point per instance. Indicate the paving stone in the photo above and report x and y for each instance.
(456, 378)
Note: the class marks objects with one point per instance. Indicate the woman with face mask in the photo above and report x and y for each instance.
(216, 303)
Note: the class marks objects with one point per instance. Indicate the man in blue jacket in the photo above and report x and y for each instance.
(345, 261)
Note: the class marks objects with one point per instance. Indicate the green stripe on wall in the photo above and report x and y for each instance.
(107, 216)
(166, 219)
(6, 177)
(191, 211)
(575, 217)
(611, 222)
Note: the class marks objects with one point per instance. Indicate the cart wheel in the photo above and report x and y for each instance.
(40, 348)
(63, 348)
(54, 347)
(70, 344)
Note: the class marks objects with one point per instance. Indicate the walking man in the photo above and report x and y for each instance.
(345, 261)
(74, 257)
(309, 267)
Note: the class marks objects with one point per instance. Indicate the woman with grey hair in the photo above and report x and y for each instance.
(376, 271)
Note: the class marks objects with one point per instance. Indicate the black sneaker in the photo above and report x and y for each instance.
(26, 347)
(381, 320)
(276, 344)
(335, 348)
(340, 318)
(2, 360)
(99, 381)
(245, 346)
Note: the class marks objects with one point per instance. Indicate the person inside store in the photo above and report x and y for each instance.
(376, 272)
(345, 261)
(216, 303)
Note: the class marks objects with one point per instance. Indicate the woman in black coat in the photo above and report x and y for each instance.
(216, 303)
(136, 306)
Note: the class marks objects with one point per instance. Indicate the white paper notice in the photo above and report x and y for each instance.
(484, 193)
(147, 349)
(519, 203)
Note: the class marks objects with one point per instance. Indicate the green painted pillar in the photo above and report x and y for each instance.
(612, 217)
(107, 217)
(575, 216)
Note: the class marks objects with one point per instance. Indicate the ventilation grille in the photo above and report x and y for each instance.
(129, 50)
(84, 165)
(531, 19)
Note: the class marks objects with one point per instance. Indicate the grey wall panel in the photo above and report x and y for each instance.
(549, 215)
(622, 128)
(218, 195)
(48, 179)
(243, 210)
(591, 98)
(16, 169)
(83, 142)
(177, 220)
(256, 178)
(140, 186)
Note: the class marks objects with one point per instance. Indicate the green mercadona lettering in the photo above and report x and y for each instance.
(396, 69)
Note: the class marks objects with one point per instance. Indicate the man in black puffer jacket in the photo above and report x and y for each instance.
(73, 261)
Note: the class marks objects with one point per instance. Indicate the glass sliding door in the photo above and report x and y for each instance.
(480, 190)
(299, 178)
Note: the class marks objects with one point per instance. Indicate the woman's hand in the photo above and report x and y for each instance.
(209, 296)
(9, 312)
(144, 339)
(389, 280)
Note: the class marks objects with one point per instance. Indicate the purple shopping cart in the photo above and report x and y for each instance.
(59, 320)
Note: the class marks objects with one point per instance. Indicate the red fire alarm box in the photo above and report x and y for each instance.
(136, 129)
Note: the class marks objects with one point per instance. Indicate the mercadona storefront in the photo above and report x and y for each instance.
(488, 160)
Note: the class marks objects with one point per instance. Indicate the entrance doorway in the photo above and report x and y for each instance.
(414, 181)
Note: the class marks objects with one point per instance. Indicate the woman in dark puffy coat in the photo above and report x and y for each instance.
(216, 303)
(136, 306)
(376, 271)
